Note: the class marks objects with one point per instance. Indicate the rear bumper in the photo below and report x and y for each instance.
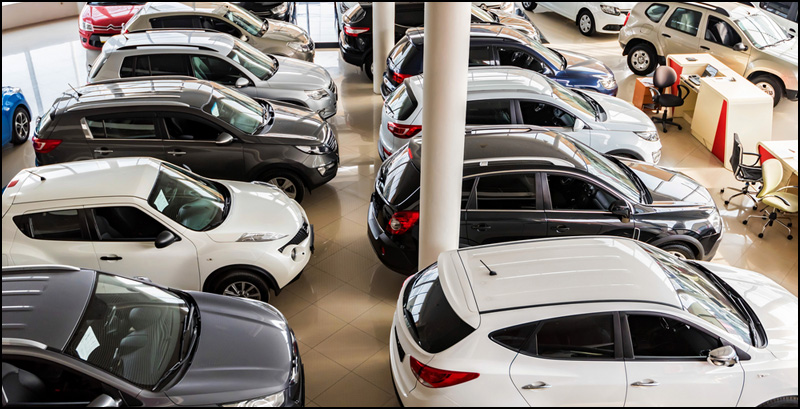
(396, 256)
(349, 54)
(791, 94)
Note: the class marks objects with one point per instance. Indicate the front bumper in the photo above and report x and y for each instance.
(397, 257)
(94, 40)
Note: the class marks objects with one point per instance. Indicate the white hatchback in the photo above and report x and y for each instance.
(145, 217)
(592, 321)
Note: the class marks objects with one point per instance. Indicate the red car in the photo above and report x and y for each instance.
(101, 20)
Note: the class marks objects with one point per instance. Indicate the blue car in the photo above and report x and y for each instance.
(16, 117)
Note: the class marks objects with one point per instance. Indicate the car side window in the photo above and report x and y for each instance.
(685, 20)
(578, 337)
(129, 127)
(215, 69)
(479, 56)
(514, 191)
(222, 26)
(409, 15)
(720, 32)
(518, 58)
(780, 9)
(573, 193)
(32, 382)
(516, 338)
(174, 22)
(656, 336)
(169, 64)
(466, 191)
(544, 114)
(182, 128)
(125, 223)
(62, 225)
(656, 12)
(489, 112)
(135, 66)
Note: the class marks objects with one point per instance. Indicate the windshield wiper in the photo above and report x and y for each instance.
(189, 332)
(644, 192)
(595, 105)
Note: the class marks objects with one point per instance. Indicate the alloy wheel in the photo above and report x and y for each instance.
(286, 185)
(21, 125)
(242, 289)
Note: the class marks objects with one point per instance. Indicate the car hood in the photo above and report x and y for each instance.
(258, 208)
(244, 351)
(294, 122)
(775, 307)
(621, 115)
(288, 30)
(581, 66)
(116, 15)
(299, 75)
(670, 188)
(785, 51)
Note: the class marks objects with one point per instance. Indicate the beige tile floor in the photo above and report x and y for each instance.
(341, 307)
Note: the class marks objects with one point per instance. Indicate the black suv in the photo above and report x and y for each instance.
(527, 182)
(217, 132)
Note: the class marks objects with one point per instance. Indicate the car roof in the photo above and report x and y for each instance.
(132, 176)
(218, 42)
(177, 90)
(417, 35)
(184, 7)
(44, 303)
(496, 79)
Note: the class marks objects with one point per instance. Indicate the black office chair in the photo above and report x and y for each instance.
(749, 174)
(664, 78)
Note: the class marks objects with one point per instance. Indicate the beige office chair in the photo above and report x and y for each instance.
(772, 196)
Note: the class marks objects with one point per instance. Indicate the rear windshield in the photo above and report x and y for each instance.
(406, 58)
(401, 104)
(430, 318)
(400, 180)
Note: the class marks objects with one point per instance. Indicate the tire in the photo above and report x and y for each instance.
(679, 250)
(241, 283)
(642, 59)
(368, 66)
(782, 402)
(287, 181)
(529, 6)
(770, 85)
(585, 22)
(21, 125)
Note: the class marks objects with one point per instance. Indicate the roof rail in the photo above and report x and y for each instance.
(708, 6)
(134, 47)
(19, 342)
(155, 30)
(144, 78)
(485, 129)
(552, 161)
(38, 267)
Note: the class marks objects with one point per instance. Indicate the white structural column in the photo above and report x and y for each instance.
(443, 121)
(382, 40)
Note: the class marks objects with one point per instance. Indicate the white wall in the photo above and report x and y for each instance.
(16, 14)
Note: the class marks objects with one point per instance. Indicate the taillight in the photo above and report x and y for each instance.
(627, 16)
(402, 221)
(12, 183)
(45, 145)
(439, 378)
(354, 31)
(403, 131)
(399, 78)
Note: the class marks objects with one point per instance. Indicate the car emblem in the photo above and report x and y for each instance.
(110, 27)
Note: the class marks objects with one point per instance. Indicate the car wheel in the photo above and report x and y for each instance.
(243, 284)
(782, 402)
(586, 23)
(771, 86)
(287, 181)
(22, 126)
(680, 251)
(368, 67)
(529, 6)
(642, 59)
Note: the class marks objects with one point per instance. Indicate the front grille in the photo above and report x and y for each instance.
(298, 238)
(330, 140)
(107, 28)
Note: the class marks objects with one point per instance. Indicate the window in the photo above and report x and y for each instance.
(51, 225)
(543, 114)
(125, 223)
(401, 104)
(517, 58)
(214, 69)
(238, 110)
(656, 11)
(480, 56)
(183, 129)
(507, 192)
(572, 193)
(514, 338)
(720, 32)
(685, 20)
(259, 64)
(169, 64)
(34, 382)
(781, 9)
(655, 336)
(466, 191)
(584, 337)
(135, 66)
(409, 15)
(175, 22)
(489, 112)
(122, 128)
(193, 202)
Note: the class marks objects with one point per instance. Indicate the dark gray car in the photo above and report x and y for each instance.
(77, 337)
(216, 131)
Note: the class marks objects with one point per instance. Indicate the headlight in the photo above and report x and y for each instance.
(608, 83)
(299, 47)
(315, 150)
(609, 10)
(716, 221)
(280, 9)
(259, 237)
(271, 401)
(86, 25)
(651, 136)
(317, 94)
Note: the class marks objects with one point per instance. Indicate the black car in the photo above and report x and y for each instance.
(77, 337)
(528, 182)
(217, 132)
(276, 10)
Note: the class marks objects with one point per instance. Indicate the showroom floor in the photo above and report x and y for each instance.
(341, 308)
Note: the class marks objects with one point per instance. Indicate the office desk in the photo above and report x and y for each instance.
(784, 151)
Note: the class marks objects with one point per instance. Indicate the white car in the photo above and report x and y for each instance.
(510, 95)
(145, 217)
(600, 17)
(592, 321)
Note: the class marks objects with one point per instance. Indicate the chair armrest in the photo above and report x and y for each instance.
(786, 202)
(757, 155)
(683, 92)
(786, 188)
(654, 93)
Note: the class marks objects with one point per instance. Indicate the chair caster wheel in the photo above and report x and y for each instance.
(790, 224)
(760, 235)
(680, 128)
(726, 202)
(744, 221)
(790, 237)
(722, 190)
(755, 207)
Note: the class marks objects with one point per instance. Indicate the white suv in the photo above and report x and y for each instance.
(593, 321)
(145, 217)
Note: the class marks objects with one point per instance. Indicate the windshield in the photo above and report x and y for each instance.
(572, 98)
(482, 14)
(259, 64)
(609, 172)
(551, 56)
(701, 297)
(131, 329)
(246, 20)
(192, 202)
(236, 109)
(761, 30)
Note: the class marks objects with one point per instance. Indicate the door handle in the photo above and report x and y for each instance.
(112, 257)
(538, 385)
(103, 151)
(562, 229)
(646, 382)
(704, 47)
(666, 35)
(481, 227)
(176, 153)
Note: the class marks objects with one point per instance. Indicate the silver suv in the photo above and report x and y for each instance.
(220, 58)
(741, 37)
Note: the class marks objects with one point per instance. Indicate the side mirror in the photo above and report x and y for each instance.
(165, 238)
(723, 356)
(243, 38)
(242, 82)
(578, 125)
(620, 208)
(739, 47)
(224, 138)
(104, 401)
(143, 278)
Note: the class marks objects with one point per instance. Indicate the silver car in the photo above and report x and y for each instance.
(220, 58)
(270, 36)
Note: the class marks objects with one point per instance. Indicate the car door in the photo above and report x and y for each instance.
(679, 35)
(53, 236)
(718, 39)
(123, 135)
(548, 115)
(507, 207)
(513, 56)
(577, 206)
(666, 364)
(572, 361)
(123, 239)
(192, 141)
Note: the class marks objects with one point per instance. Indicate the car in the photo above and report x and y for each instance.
(79, 337)
(591, 17)
(740, 36)
(220, 58)
(506, 7)
(493, 45)
(510, 95)
(275, 10)
(592, 321)
(146, 217)
(784, 13)
(99, 21)
(16, 117)
(212, 129)
(355, 40)
(269, 36)
(340, 9)
(529, 182)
